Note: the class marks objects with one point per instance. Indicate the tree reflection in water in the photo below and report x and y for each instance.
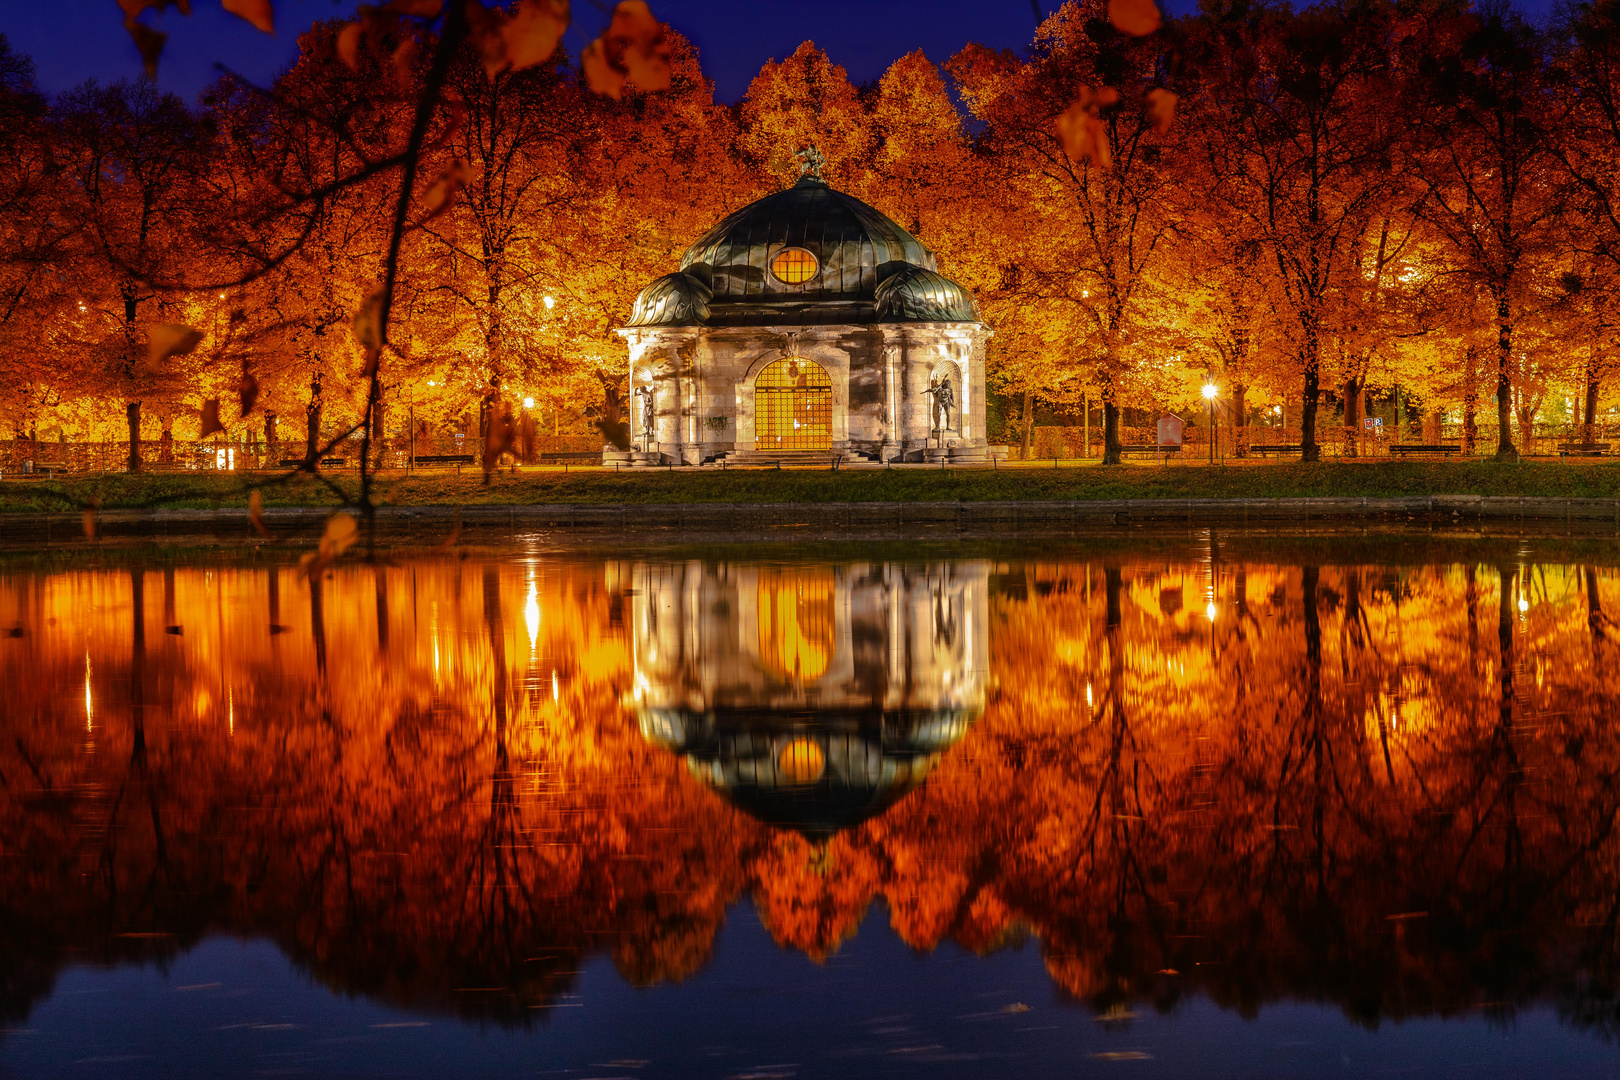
(444, 782)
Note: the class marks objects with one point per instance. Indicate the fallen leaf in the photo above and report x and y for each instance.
(257, 12)
(1137, 18)
(256, 514)
(1161, 109)
(210, 418)
(170, 339)
(348, 46)
(532, 33)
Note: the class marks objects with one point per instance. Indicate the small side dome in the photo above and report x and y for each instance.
(672, 300)
(917, 294)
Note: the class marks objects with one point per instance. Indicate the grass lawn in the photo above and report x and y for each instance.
(1579, 479)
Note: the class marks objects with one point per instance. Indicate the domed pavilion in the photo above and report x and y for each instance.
(806, 326)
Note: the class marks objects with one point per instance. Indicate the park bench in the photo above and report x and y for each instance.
(49, 468)
(442, 459)
(1263, 449)
(1408, 449)
(1583, 449)
(1138, 449)
(293, 463)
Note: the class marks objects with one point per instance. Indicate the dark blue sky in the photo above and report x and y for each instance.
(73, 40)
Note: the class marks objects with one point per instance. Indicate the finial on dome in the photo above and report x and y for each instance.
(810, 162)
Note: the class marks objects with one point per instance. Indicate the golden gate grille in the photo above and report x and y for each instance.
(793, 407)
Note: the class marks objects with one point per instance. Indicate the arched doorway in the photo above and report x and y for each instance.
(793, 406)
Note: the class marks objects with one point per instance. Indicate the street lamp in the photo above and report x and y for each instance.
(1210, 390)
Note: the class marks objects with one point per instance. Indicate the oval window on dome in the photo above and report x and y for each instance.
(794, 266)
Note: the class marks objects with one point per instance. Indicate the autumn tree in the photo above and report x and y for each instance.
(35, 238)
(132, 156)
(1492, 191)
(1293, 127)
(1078, 139)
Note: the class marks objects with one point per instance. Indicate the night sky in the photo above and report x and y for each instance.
(73, 40)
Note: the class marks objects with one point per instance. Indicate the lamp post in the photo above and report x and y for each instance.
(1210, 390)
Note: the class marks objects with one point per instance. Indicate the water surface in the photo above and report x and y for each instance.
(1229, 805)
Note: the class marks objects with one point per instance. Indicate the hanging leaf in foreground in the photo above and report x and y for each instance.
(348, 46)
(612, 424)
(367, 326)
(256, 514)
(1081, 130)
(247, 390)
(340, 534)
(149, 43)
(532, 33)
(1161, 109)
(634, 48)
(257, 12)
(498, 438)
(170, 339)
(1137, 18)
(450, 541)
(441, 194)
(210, 418)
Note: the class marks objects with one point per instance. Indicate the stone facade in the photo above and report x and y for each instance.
(819, 280)
(703, 385)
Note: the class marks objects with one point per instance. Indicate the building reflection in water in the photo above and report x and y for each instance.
(1299, 773)
(810, 697)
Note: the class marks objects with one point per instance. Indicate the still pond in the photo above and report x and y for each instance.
(1227, 805)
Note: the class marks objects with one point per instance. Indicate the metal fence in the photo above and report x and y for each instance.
(1543, 440)
(242, 455)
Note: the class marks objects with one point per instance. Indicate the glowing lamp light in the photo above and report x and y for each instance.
(551, 302)
(801, 762)
(528, 403)
(1210, 612)
(1524, 605)
(1210, 390)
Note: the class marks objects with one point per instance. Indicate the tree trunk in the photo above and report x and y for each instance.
(132, 415)
(1470, 401)
(1352, 417)
(312, 433)
(1589, 427)
(270, 436)
(1110, 424)
(1309, 451)
(1240, 420)
(1505, 450)
(1029, 421)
